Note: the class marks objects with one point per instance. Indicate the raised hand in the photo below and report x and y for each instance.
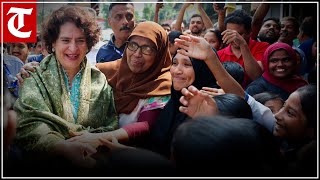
(196, 103)
(233, 37)
(192, 46)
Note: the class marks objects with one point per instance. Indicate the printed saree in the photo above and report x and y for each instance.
(44, 109)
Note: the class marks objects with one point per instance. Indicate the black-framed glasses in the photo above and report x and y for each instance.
(147, 50)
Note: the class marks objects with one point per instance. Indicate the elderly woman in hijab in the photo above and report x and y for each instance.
(141, 82)
(280, 72)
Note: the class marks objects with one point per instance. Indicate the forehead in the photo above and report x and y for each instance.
(19, 44)
(70, 29)
(279, 52)
(210, 35)
(196, 19)
(181, 57)
(142, 41)
(270, 22)
(122, 9)
(237, 27)
(294, 102)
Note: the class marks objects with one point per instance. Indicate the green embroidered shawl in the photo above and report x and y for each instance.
(44, 108)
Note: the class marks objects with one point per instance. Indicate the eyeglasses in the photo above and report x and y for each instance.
(147, 50)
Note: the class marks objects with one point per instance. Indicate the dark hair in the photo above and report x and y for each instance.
(233, 105)
(123, 4)
(216, 32)
(81, 17)
(196, 15)
(235, 70)
(308, 27)
(130, 161)
(308, 100)
(276, 20)
(173, 35)
(224, 146)
(166, 24)
(312, 76)
(240, 17)
(266, 96)
(294, 21)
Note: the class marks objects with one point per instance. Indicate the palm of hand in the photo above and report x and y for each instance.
(198, 50)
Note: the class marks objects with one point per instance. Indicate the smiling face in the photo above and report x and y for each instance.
(137, 61)
(182, 72)
(196, 25)
(70, 47)
(212, 39)
(291, 122)
(19, 50)
(280, 64)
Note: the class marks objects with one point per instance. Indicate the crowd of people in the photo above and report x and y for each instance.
(233, 98)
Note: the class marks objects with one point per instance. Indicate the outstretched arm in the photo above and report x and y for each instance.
(205, 18)
(257, 19)
(156, 13)
(177, 26)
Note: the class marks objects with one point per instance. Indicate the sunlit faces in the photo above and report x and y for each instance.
(212, 39)
(71, 46)
(274, 105)
(137, 61)
(19, 50)
(280, 64)
(121, 20)
(291, 122)
(196, 25)
(241, 30)
(182, 72)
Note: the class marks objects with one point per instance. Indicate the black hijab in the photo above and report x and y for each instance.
(170, 117)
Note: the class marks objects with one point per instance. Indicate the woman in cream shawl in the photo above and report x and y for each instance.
(65, 95)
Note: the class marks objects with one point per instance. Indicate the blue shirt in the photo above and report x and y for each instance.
(109, 52)
(37, 58)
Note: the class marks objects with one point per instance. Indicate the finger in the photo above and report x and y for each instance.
(35, 63)
(20, 79)
(183, 52)
(114, 139)
(210, 89)
(72, 133)
(184, 110)
(89, 149)
(183, 46)
(186, 93)
(24, 73)
(185, 38)
(193, 90)
(106, 142)
(183, 101)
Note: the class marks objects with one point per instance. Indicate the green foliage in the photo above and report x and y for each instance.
(105, 12)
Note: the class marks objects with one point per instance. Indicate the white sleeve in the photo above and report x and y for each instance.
(261, 114)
